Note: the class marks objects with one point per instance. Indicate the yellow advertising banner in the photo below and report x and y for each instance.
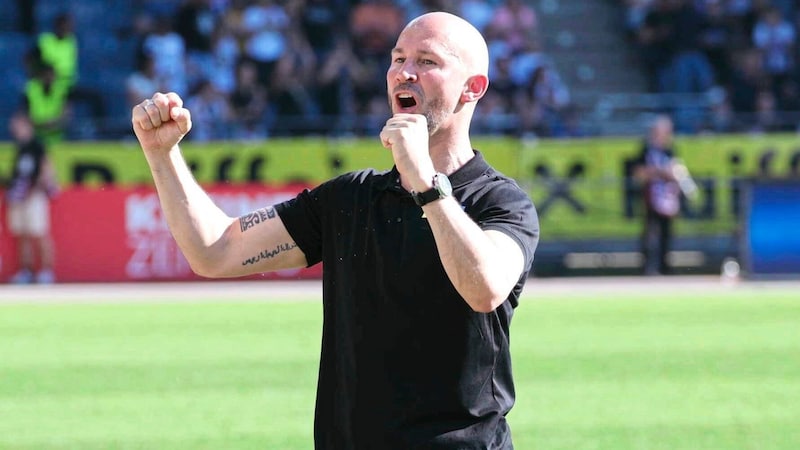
(579, 186)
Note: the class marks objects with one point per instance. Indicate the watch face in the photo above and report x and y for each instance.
(443, 185)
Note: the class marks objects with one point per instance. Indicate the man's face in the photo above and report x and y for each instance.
(425, 76)
(661, 134)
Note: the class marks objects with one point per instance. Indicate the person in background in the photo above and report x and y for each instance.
(195, 21)
(45, 101)
(653, 170)
(424, 263)
(248, 103)
(168, 51)
(59, 49)
(143, 82)
(211, 111)
(32, 185)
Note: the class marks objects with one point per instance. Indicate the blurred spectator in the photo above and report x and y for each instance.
(689, 69)
(248, 103)
(339, 72)
(32, 185)
(494, 115)
(168, 51)
(526, 60)
(293, 75)
(143, 83)
(264, 25)
(225, 53)
(477, 12)
(721, 116)
(497, 111)
(548, 97)
(744, 14)
(45, 102)
(766, 118)
(319, 20)
(776, 38)
(653, 170)
(196, 22)
(748, 78)
(514, 22)
(716, 38)
(210, 113)
(373, 116)
(59, 49)
(635, 13)
(655, 43)
(374, 26)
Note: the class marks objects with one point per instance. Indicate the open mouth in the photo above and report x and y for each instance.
(406, 101)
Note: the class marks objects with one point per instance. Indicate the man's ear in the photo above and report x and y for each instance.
(475, 88)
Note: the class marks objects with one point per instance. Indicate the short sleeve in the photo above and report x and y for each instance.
(302, 217)
(508, 209)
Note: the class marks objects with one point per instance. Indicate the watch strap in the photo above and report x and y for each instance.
(423, 198)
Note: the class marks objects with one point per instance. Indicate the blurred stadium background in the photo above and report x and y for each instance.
(292, 93)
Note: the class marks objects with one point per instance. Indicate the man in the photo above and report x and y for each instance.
(32, 185)
(59, 49)
(45, 101)
(654, 171)
(423, 264)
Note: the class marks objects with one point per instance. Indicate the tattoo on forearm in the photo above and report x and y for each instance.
(266, 254)
(248, 221)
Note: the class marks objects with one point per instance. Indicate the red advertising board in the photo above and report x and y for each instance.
(119, 234)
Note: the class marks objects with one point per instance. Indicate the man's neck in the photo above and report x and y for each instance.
(449, 154)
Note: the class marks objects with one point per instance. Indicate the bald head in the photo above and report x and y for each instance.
(459, 37)
(661, 131)
(439, 69)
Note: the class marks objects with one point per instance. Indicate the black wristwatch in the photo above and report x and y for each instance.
(441, 189)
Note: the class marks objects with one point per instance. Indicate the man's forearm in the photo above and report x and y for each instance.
(482, 267)
(196, 223)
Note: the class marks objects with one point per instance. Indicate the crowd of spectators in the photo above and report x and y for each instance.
(742, 53)
(250, 69)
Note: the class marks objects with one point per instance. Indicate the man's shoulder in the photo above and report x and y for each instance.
(360, 177)
(494, 181)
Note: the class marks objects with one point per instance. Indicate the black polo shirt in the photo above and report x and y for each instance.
(406, 363)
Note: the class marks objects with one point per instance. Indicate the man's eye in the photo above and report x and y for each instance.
(427, 62)
(399, 60)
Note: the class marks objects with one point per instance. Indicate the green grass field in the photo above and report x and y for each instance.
(646, 371)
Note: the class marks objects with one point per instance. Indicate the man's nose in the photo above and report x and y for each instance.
(407, 73)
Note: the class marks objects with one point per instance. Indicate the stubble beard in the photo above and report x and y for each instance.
(435, 113)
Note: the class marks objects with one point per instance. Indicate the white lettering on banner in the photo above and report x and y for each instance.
(155, 256)
(143, 214)
(155, 253)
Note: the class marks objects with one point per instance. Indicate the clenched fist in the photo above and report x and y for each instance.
(160, 122)
(406, 135)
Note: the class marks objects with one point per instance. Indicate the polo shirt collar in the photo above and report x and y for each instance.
(473, 169)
